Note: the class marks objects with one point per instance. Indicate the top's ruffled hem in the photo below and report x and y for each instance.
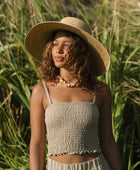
(75, 153)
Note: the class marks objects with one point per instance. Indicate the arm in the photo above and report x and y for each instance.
(38, 141)
(107, 142)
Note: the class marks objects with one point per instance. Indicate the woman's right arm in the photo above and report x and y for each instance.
(38, 132)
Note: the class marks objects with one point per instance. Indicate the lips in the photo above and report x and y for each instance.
(59, 58)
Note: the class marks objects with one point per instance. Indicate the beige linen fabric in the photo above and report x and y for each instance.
(98, 163)
(72, 127)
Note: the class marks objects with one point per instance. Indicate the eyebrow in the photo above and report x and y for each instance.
(63, 41)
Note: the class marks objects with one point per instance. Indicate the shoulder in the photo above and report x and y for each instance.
(103, 93)
(39, 94)
(103, 87)
(38, 88)
(38, 91)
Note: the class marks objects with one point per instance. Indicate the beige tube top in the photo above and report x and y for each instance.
(71, 127)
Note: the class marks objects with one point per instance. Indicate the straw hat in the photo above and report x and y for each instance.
(37, 37)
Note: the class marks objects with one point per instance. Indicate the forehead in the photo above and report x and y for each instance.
(60, 34)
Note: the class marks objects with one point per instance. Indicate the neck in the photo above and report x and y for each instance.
(65, 74)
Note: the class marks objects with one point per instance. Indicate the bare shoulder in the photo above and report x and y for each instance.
(103, 93)
(103, 87)
(38, 89)
(39, 94)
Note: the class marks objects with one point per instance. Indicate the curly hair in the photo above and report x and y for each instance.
(80, 65)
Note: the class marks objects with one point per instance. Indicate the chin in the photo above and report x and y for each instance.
(59, 65)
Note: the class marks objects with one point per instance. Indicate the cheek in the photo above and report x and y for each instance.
(53, 51)
(67, 53)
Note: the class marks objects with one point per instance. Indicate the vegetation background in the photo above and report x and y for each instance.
(116, 23)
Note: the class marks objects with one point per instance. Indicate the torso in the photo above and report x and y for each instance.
(71, 159)
(63, 94)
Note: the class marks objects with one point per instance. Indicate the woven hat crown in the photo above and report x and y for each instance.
(75, 22)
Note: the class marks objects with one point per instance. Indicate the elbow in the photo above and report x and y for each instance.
(37, 147)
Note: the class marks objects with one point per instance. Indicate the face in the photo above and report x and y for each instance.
(60, 49)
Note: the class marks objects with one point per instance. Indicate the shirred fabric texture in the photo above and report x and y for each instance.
(98, 163)
(72, 128)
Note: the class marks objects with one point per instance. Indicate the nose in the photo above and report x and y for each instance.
(59, 49)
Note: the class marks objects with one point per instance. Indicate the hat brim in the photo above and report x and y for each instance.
(38, 36)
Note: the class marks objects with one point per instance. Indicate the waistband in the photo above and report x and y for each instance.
(96, 163)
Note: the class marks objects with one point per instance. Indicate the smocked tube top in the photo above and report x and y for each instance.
(72, 128)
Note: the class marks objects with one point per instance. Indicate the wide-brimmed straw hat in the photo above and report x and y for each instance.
(38, 36)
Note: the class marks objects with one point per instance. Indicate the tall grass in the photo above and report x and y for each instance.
(115, 23)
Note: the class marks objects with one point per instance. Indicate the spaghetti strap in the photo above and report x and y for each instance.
(47, 92)
(94, 98)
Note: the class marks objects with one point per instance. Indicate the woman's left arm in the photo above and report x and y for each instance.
(106, 138)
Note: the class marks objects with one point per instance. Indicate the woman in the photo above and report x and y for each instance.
(70, 104)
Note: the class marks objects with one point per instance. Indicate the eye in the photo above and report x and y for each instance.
(54, 43)
(67, 45)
